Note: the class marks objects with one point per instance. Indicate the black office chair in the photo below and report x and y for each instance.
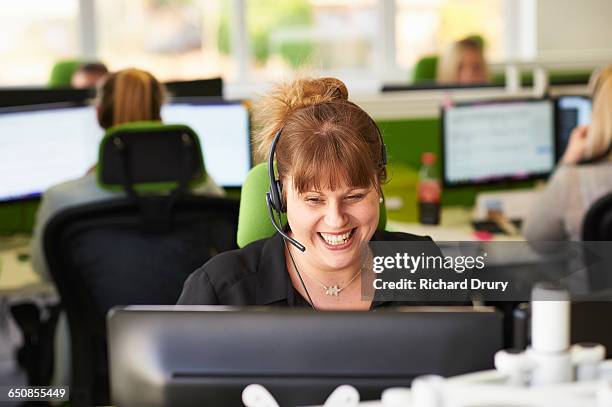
(133, 249)
(597, 224)
(597, 227)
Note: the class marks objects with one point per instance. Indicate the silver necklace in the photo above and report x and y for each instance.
(333, 290)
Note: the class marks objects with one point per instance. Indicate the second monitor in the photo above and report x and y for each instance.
(484, 142)
(36, 140)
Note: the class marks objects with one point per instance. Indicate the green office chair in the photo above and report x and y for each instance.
(253, 219)
(62, 71)
(425, 70)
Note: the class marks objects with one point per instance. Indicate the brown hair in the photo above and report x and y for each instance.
(128, 96)
(326, 140)
(95, 68)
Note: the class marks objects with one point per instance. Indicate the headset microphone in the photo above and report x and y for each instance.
(279, 229)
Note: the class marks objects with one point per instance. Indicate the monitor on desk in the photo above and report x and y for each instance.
(223, 129)
(570, 112)
(44, 145)
(196, 356)
(493, 141)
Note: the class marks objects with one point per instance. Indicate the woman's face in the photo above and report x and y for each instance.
(472, 67)
(332, 224)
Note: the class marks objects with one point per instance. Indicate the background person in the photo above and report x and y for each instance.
(88, 75)
(126, 96)
(463, 63)
(583, 176)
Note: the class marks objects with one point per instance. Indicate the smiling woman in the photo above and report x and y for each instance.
(331, 161)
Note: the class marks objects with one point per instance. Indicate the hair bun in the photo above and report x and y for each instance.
(272, 111)
(307, 92)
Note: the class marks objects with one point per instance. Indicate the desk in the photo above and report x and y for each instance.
(455, 225)
(16, 275)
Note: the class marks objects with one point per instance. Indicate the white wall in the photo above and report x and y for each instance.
(574, 30)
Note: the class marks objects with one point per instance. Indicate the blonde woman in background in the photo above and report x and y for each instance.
(584, 174)
(463, 63)
(130, 95)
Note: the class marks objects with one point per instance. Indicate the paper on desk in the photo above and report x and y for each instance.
(15, 274)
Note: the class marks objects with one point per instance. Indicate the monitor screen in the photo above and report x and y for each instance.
(223, 129)
(571, 111)
(43, 146)
(205, 356)
(494, 141)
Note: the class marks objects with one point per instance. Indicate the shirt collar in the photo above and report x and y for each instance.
(273, 282)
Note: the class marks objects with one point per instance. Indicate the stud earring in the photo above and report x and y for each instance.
(380, 200)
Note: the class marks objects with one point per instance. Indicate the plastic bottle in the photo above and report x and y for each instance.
(429, 190)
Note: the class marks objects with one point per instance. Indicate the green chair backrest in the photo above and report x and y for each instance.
(62, 71)
(253, 219)
(157, 157)
(425, 69)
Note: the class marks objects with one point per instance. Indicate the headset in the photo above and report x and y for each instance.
(274, 197)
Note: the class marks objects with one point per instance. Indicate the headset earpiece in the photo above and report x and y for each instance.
(275, 193)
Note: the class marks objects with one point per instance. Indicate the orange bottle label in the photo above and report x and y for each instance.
(429, 191)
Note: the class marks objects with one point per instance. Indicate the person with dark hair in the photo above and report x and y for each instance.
(88, 75)
(331, 164)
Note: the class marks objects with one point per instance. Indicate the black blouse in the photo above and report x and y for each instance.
(257, 275)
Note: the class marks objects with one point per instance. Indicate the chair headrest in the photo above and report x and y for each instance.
(253, 220)
(153, 157)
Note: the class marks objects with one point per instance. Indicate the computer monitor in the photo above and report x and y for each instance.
(492, 141)
(570, 111)
(44, 145)
(206, 356)
(223, 129)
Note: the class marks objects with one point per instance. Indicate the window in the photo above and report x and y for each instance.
(428, 26)
(323, 35)
(35, 35)
(244, 40)
(173, 39)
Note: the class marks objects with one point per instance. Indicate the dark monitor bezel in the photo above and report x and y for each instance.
(557, 115)
(493, 180)
(30, 96)
(208, 87)
(372, 378)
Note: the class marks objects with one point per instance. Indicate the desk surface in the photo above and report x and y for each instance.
(455, 225)
(16, 274)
